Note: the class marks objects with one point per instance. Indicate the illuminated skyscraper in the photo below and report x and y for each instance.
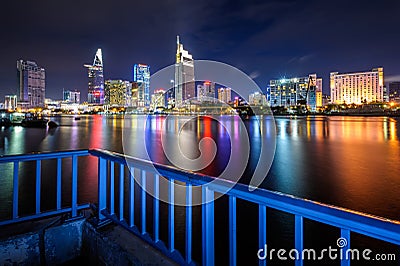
(184, 75)
(257, 98)
(117, 93)
(224, 95)
(141, 75)
(10, 102)
(394, 92)
(158, 99)
(206, 91)
(296, 91)
(31, 84)
(133, 95)
(360, 87)
(96, 79)
(71, 96)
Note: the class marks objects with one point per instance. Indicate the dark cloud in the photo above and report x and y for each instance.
(270, 38)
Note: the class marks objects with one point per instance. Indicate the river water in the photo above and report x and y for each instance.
(351, 162)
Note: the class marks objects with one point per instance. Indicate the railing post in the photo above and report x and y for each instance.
(171, 215)
(131, 192)
(156, 206)
(112, 173)
(59, 166)
(143, 200)
(15, 190)
(298, 238)
(121, 192)
(344, 246)
(74, 203)
(102, 187)
(188, 223)
(208, 226)
(262, 232)
(232, 230)
(38, 173)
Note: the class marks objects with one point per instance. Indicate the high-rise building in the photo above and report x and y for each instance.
(184, 75)
(158, 99)
(257, 98)
(133, 96)
(117, 92)
(10, 102)
(326, 99)
(394, 92)
(96, 79)
(296, 91)
(385, 94)
(238, 101)
(314, 96)
(225, 95)
(206, 91)
(71, 96)
(31, 84)
(141, 75)
(318, 93)
(360, 87)
(170, 96)
(268, 93)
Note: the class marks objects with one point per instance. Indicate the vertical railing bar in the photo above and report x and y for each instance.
(131, 198)
(232, 230)
(203, 225)
(189, 223)
(143, 200)
(59, 168)
(299, 238)
(38, 173)
(112, 174)
(171, 215)
(102, 187)
(210, 222)
(15, 190)
(74, 185)
(156, 206)
(208, 226)
(121, 192)
(344, 246)
(262, 231)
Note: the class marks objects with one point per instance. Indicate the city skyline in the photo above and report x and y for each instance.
(309, 91)
(266, 40)
(141, 77)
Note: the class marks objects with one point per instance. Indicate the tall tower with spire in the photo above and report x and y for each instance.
(184, 85)
(96, 79)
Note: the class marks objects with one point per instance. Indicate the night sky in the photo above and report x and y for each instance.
(265, 39)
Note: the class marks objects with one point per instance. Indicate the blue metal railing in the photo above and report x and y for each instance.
(38, 158)
(346, 220)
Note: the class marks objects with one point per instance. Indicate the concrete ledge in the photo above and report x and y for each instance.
(20, 250)
(53, 243)
(113, 245)
(63, 243)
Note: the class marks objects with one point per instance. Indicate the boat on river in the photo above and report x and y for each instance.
(5, 122)
(34, 122)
